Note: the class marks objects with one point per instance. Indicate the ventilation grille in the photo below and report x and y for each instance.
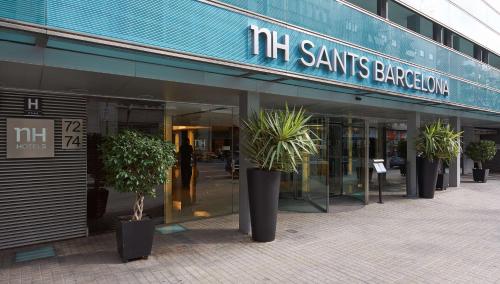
(42, 199)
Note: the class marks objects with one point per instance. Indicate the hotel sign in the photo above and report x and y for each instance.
(30, 138)
(32, 106)
(346, 63)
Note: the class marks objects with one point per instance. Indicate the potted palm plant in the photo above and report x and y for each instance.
(436, 142)
(276, 142)
(136, 163)
(480, 152)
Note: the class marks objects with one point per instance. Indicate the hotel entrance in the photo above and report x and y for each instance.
(204, 183)
(333, 175)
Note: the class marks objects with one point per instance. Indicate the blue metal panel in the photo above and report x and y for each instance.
(31, 11)
(198, 28)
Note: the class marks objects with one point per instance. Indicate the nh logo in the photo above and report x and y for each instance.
(32, 106)
(271, 42)
(30, 135)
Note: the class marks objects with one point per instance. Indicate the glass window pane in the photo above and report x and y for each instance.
(494, 60)
(463, 45)
(409, 19)
(369, 5)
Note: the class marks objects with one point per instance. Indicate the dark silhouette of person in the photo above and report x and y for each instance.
(186, 151)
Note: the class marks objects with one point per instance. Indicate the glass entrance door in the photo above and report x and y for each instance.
(346, 158)
(353, 160)
(307, 190)
(204, 181)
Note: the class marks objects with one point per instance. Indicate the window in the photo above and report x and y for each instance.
(494, 60)
(409, 19)
(369, 5)
(461, 44)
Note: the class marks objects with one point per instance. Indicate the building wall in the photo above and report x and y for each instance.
(43, 199)
(187, 28)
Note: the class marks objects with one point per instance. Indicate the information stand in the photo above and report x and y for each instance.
(379, 166)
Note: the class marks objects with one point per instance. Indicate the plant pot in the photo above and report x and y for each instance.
(480, 175)
(263, 194)
(443, 181)
(134, 239)
(402, 170)
(427, 177)
(96, 203)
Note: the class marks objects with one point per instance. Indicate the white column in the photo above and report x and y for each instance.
(455, 164)
(413, 127)
(468, 137)
(249, 102)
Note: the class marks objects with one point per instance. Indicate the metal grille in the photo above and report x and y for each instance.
(42, 199)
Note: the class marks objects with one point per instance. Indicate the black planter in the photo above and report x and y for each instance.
(443, 181)
(427, 177)
(96, 203)
(263, 194)
(402, 170)
(134, 239)
(480, 175)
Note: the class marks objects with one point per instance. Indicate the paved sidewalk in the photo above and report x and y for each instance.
(452, 238)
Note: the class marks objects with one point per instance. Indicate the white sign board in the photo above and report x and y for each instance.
(380, 168)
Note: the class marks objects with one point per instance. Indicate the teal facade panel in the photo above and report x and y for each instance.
(201, 29)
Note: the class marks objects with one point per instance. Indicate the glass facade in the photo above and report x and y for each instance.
(369, 5)
(494, 60)
(205, 180)
(461, 44)
(414, 21)
(409, 19)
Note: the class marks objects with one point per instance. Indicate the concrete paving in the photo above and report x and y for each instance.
(452, 238)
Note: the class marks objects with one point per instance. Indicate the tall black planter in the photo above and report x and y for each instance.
(263, 193)
(134, 239)
(480, 175)
(427, 177)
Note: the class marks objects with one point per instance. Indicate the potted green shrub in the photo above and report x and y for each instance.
(480, 152)
(136, 163)
(277, 141)
(436, 142)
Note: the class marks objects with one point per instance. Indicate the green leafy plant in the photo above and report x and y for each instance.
(439, 141)
(137, 163)
(277, 140)
(481, 151)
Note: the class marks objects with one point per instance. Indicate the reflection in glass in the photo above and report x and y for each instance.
(307, 190)
(409, 19)
(353, 159)
(369, 5)
(205, 180)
